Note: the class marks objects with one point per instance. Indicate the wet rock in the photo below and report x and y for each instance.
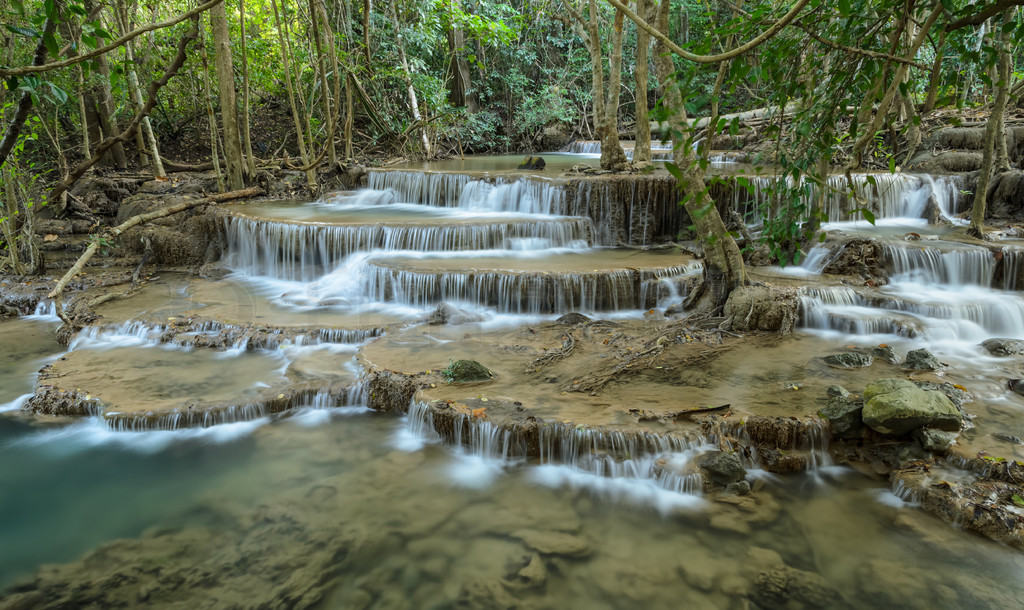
(467, 371)
(1004, 347)
(934, 440)
(887, 353)
(863, 258)
(849, 360)
(390, 392)
(532, 163)
(674, 310)
(483, 595)
(921, 360)
(762, 308)
(722, 468)
(1008, 438)
(837, 391)
(957, 394)
(449, 314)
(739, 488)
(845, 416)
(573, 318)
(897, 406)
(554, 543)
(788, 587)
(535, 574)
(946, 162)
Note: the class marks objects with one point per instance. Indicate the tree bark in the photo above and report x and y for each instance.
(286, 63)
(612, 155)
(642, 147)
(994, 132)
(250, 159)
(222, 59)
(407, 76)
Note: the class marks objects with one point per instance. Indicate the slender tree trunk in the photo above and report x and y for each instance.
(413, 102)
(612, 155)
(936, 75)
(642, 147)
(286, 63)
(222, 59)
(664, 68)
(136, 90)
(1002, 162)
(211, 115)
(321, 71)
(597, 65)
(994, 132)
(250, 159)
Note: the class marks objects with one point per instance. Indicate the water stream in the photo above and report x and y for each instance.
(342, 507)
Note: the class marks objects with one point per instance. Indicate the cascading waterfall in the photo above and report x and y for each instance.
(305, 251)
(956, 267)
(523, 293)
(886, 195)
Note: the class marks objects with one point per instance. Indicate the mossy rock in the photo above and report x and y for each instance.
(467, 371)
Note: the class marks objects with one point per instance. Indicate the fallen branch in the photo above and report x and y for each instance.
(134, 221)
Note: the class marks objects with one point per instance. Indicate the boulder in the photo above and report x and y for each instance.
(467, 371)
(934, 440)
(762, 308)
(897, 406)
(845, 417)
(532, 163)
(848, 360)
(887, 353)
(837, 390)
(921, 360)
(723, 468)
(449, 314)
(1004, 347)
(1016, 386)
(572, 319)
(859, 257)
(788, 587)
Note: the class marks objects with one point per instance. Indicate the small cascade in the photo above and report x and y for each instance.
(638, 211)
(1012, 274)
(585, 147)
(522, 196)
(522, 293)
(45, 311)
(304, 251)
(128, 334)
(932, 265)
(436, 189)
(886, 195)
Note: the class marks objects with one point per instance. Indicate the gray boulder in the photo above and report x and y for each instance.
(897, 406)
(934, 440)
(921, 360)
(887, 353)
(449, 314)
(723, 468)
(1004, 347)
(837, 390)
(845, 416)
(848, 360)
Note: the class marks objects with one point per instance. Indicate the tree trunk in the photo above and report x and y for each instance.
(222, 59)
(597, 65)
(211, 116)
(642, 147)
(612, 155)
(321, 71)
(993, 134)
(250, 159)
(286, 63)
(106, 109)
(407, 76)
(136, 91)
(664, 68)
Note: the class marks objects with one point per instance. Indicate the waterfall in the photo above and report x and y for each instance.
(953, 267)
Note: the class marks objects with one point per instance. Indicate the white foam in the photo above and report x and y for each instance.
(637, 491)
(15, 404)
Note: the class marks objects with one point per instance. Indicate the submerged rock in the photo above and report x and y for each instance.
(849, 360)
(921, 360)
(467, 371)
(845, 416)
(897, 406)
(449, 314)
(788, 587)
(723, 468)
(1004, 347)
(1016, 385)
(554, 543)
(532, 163)
(934, 440)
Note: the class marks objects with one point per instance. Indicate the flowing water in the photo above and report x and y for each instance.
(332, 502)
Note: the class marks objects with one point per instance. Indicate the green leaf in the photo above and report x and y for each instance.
(51, 44)
(59, 94)
(26, 32)
(1019, 501)
(674, 170)
(844, 8)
